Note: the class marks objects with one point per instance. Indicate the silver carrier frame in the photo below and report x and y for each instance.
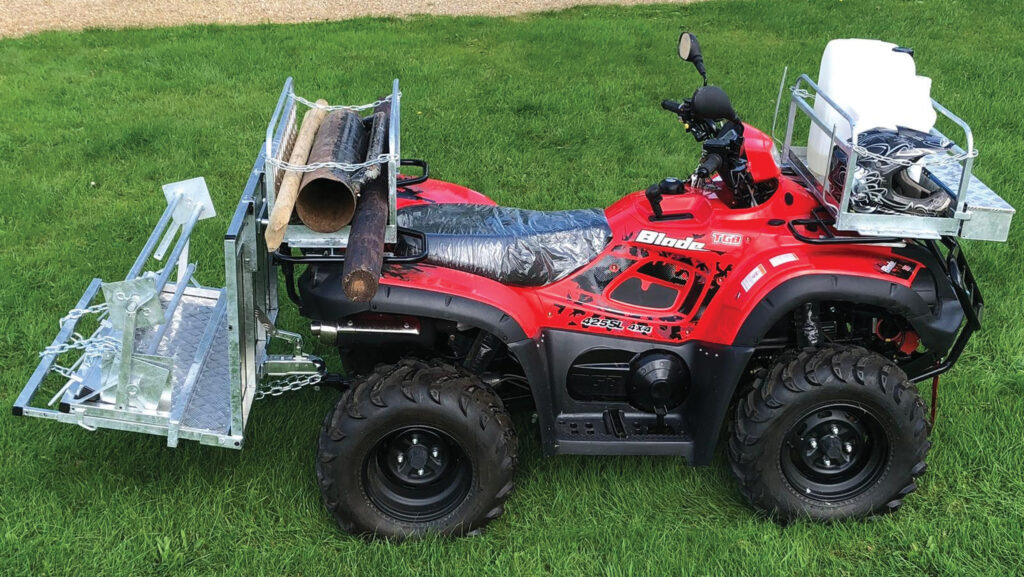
(976, 212)
(170, 357)
(280, 138)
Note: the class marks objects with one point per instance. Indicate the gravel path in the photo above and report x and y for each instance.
(20, 17)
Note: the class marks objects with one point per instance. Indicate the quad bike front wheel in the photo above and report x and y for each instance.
(833, 433)
(416, 447)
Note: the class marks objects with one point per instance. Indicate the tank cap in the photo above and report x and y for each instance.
(904, 50)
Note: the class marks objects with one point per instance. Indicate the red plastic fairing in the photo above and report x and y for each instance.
(519, 303)
(721, 261)
(438, 191)
(758, 148)
(695, 277)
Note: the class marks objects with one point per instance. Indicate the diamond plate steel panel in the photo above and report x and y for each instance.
(979, 195)
(209, 407)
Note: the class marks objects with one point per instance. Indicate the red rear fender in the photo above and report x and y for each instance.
(438, 191)
(521, 304)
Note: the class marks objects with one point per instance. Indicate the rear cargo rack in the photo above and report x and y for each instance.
(975, 213)
(280, 138)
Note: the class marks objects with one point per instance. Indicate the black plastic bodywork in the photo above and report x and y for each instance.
(574, 423)
(715, 370)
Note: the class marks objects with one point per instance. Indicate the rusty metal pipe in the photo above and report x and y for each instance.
(328, 196)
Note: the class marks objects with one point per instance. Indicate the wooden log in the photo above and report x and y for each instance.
(364, 255)
(289, 189)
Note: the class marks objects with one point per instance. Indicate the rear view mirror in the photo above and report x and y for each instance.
(689, 50)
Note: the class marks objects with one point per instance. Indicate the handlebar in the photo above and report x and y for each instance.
(672, 106)
(710, 165)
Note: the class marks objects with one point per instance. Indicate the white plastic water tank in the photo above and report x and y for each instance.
(876, 84)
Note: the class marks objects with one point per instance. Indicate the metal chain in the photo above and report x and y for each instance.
(66, 372)
(800, 92)
(284, 165)
(75, 314)
(93, 346)
(278, 387)
(281, 164)
(354, 108)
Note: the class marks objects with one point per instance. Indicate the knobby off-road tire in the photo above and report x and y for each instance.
(869, 431)
(416, 447)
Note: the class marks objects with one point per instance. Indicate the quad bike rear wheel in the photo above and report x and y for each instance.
(416, 447)
(833, 433)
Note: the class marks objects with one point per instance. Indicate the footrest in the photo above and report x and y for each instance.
(623, 433)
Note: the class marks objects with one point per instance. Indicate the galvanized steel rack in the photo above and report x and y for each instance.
(171, 357)
(975, 213)
(280, 138)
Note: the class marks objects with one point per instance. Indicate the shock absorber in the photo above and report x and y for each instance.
(808, 326)
(485, 348)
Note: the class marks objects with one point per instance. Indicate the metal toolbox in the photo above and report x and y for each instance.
(975, 213)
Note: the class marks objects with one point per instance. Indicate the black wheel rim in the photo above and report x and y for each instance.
(417, 474)
(835, 452)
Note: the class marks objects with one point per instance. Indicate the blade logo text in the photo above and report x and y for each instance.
(660, 239)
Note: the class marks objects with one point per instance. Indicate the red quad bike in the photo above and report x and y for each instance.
(797, 309)
(642, 329)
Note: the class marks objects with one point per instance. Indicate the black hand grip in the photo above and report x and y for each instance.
(709, 166)
(411, 180)
(672, 106)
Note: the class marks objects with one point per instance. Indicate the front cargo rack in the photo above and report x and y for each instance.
(976, 212)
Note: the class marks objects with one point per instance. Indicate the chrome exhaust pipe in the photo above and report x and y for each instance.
(328, 332)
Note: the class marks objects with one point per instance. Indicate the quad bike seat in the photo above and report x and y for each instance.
(510, 245)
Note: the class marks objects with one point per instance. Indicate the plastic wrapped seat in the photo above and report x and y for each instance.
(510, 245)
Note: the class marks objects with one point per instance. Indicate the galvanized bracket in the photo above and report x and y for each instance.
(192, 203)
(283, 373)
(272, 331)
(138, 380)
(277, 366)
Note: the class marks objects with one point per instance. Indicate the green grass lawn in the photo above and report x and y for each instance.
(549, 112)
